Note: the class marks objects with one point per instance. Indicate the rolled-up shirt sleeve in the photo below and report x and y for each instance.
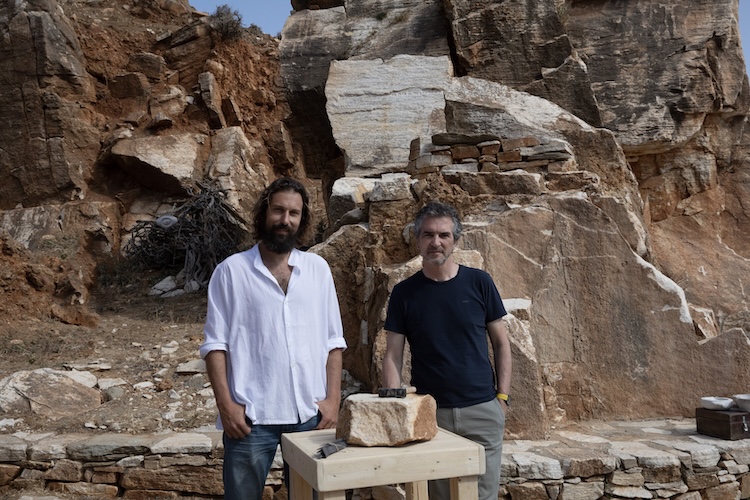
(216, 328)
(335, 329)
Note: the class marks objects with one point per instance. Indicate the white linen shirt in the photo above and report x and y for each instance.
(276, 344)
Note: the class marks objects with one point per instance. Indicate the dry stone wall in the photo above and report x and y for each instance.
(641, 459)
(627, 245)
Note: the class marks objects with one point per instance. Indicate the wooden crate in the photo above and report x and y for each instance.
(724, 424)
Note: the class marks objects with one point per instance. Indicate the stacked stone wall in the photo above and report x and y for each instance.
(646, 460)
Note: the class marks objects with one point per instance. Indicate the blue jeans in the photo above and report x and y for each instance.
(247, 461)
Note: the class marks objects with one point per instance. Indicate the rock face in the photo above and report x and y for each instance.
(368, 420)
(47, 392)
(650, 106)
(166, 163)
(391, 99)
(599, 188)
(95, 105)
(49, 142)
(523, 44)
(599, 157)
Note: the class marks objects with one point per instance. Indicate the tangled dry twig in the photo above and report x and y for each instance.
(198, 236)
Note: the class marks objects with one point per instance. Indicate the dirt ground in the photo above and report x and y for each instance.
(133, 340)
(119, 330)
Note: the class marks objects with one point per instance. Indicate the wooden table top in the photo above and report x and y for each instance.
(447, 455)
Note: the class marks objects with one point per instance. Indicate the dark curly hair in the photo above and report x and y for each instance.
(261, 206)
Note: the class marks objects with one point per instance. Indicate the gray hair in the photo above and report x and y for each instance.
(438, 209)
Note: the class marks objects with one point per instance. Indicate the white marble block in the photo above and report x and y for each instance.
(368, 420)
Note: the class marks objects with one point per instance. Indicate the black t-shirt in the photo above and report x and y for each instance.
(445, 325)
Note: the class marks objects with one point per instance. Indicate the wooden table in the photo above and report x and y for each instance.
(446, 456)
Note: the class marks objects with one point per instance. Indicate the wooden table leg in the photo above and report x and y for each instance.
(464, 488)
(299, 489)
(416, 490)
(332, 495)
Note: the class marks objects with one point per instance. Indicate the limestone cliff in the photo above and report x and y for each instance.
(597, 150)
(628, 283)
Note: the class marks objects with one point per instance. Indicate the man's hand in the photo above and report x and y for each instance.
(233, 420)
(329, 410)
(504, 406)
(232, 413)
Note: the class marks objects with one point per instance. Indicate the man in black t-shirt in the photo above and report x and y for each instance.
(446, 311)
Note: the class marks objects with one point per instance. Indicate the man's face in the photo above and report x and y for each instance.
(282, 221)
(435, 240)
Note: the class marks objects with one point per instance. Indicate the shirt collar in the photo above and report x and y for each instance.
(294, 257)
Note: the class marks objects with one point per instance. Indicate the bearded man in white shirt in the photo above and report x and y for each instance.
(273, 340)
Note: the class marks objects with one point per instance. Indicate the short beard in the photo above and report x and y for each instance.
(438, 261)
(279, 244)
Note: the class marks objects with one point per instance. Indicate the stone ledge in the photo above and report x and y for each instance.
(643, 459)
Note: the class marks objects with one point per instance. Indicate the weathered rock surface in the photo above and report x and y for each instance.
(369, 420)
(669, 107)
(394, 101)
(239, 167)
(523, 44)
(625, 244)
(164, 163)
(47, 392)
(592, 240)
(49, 138)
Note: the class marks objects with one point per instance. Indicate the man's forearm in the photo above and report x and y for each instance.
(216, 369)
(333, 375)
(391, 374)
(503, 360)
(393, 360)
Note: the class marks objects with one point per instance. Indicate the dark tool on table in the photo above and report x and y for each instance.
(395, 392)
(329, 449)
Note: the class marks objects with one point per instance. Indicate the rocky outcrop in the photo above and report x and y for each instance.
(604, 186)
(168, 164)
(687, 68)
(393, 99)
(594, 182)
(101, 127)
(49, 142)
(523, 44)
(313, 38)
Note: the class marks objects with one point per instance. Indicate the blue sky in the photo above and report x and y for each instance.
(270, 15)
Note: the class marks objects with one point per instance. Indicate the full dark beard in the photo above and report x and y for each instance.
(279, 242)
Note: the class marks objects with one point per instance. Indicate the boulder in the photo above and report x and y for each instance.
(48, 141)
(369, 420)
(240, 167)
(523, 44)
(168, 163)
(377, 107)
(47, 392)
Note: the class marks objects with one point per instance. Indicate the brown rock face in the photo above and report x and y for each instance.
(368, 420)
(601, 169)
(524, 44)
(48, 143)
